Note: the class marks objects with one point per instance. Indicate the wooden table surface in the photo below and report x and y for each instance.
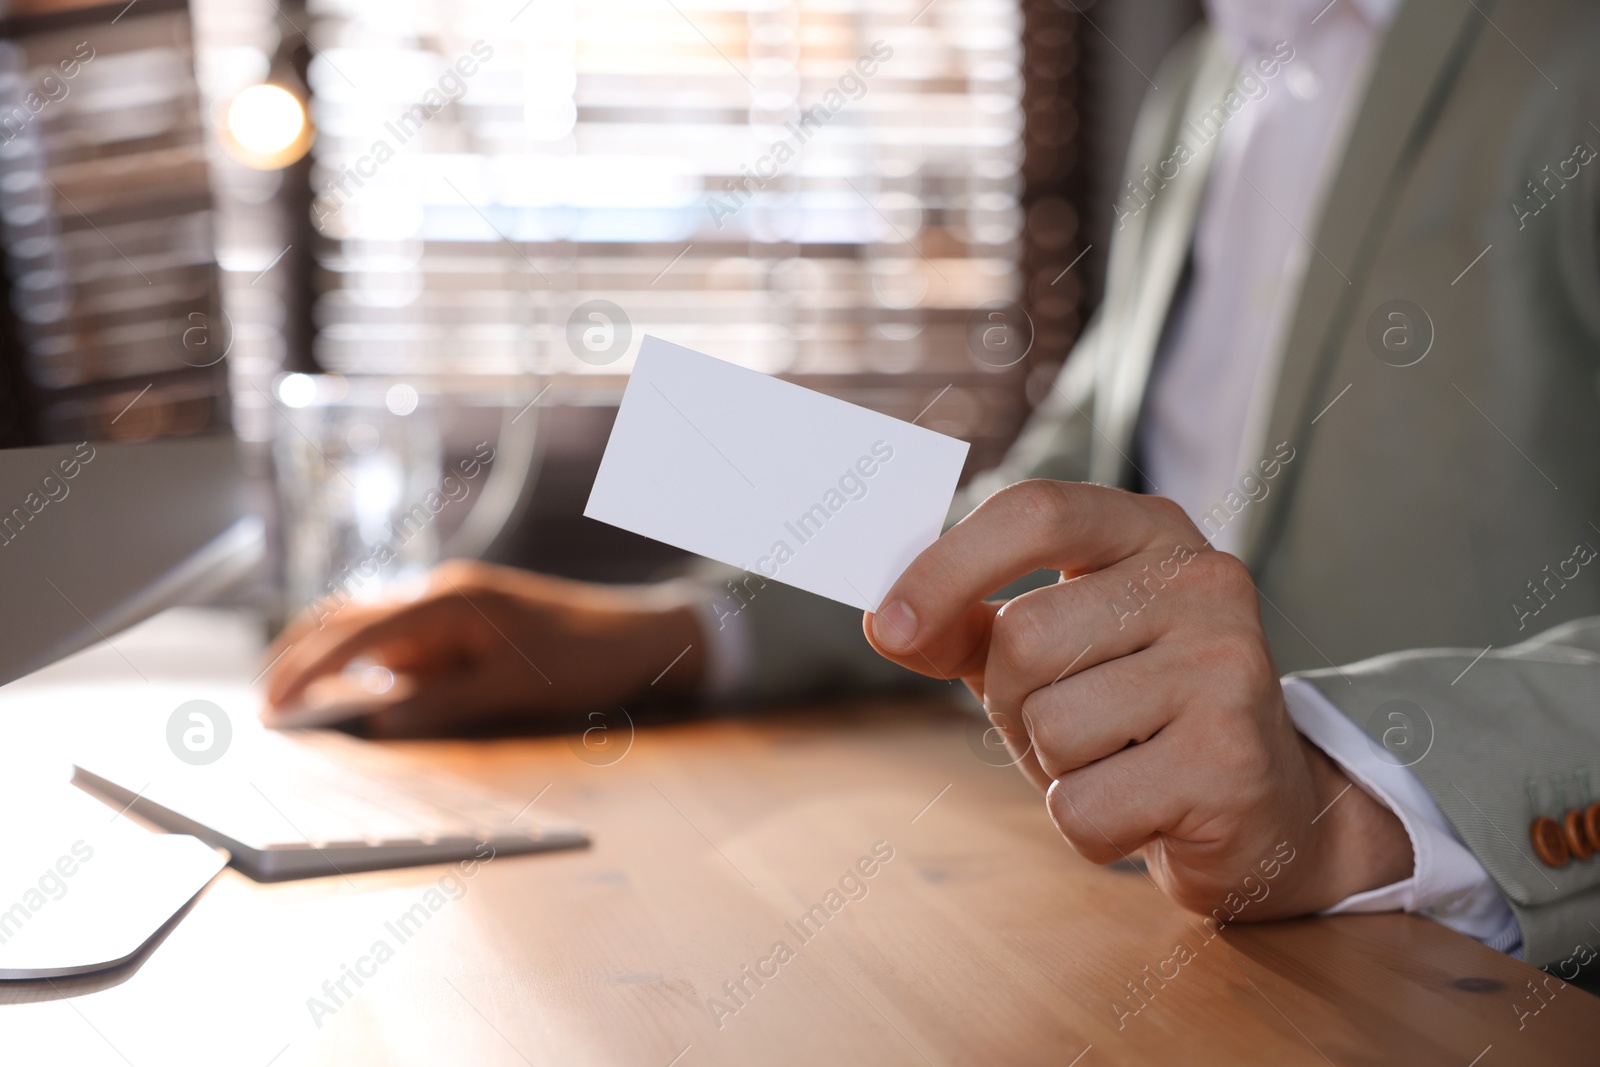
(982, 940)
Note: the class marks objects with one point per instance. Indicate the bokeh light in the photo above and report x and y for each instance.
(267, 127)
(297, 390)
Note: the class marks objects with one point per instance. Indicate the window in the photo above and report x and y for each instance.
(830, 191)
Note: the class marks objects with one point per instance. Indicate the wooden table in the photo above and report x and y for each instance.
(982, 940)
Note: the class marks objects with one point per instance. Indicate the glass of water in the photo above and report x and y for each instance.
(360, 488)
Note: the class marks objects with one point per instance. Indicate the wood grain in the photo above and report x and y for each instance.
(984, 940)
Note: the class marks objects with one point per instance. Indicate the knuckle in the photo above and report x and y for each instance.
(459, 581)
(1231, 743)
(1010, 726)
(1040, 714)
(1244, 660)
(1238, 674)
(1171, 512)
(1038, 502)
(460, 572)
(1098, 690)
(1225, 574)
(1020, 637)
(1195, 658)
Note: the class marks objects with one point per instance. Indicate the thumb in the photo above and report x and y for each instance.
(960, 650)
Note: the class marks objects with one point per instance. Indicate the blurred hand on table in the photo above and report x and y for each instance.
(482, 643)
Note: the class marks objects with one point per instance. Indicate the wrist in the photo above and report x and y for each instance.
(652, 640)
(671, 648)
(1358, 843)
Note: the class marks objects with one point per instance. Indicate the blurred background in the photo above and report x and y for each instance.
(381, 240)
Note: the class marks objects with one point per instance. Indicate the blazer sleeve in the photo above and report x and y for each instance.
(1498, 741)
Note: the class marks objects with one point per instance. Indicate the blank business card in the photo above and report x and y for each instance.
(763, 474)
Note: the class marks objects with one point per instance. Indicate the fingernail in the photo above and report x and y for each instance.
(895, 626)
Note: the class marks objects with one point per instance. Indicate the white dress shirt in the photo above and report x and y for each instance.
(1210, 391)
(1213, 380)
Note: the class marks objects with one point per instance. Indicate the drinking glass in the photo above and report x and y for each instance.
(360, 487)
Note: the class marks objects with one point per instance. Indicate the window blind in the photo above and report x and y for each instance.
(106, 221)
(827, 190)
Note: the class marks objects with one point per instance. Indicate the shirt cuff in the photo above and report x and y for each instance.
(1447, 884)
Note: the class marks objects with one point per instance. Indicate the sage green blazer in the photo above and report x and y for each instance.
(1431, 511)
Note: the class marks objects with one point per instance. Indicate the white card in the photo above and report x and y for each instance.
(771, 477)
